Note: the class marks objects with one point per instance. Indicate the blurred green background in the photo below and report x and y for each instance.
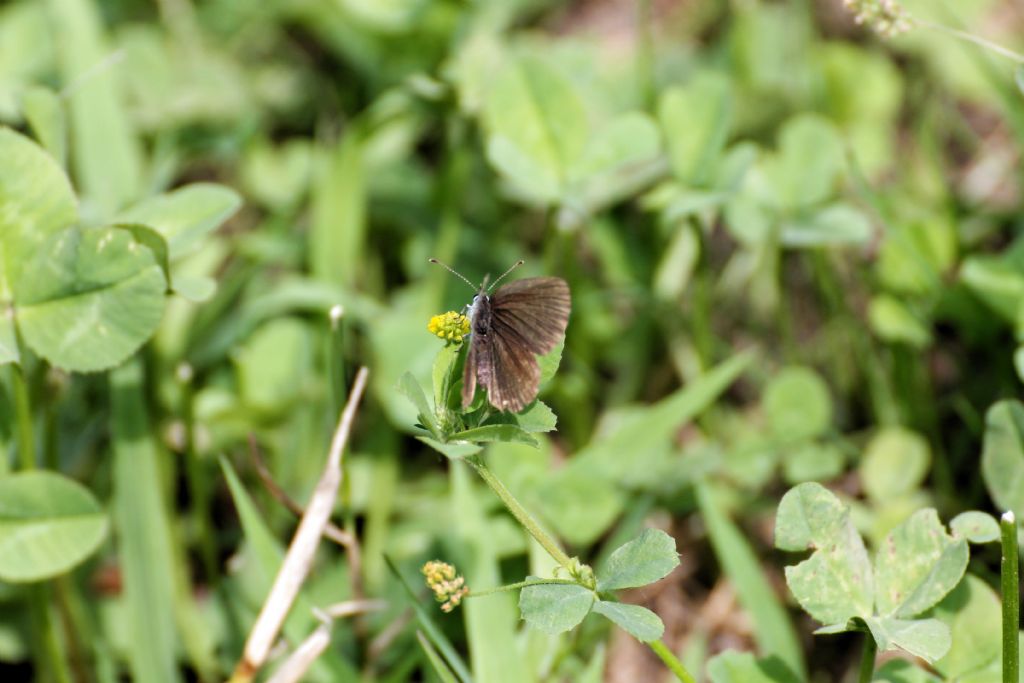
(710, 176)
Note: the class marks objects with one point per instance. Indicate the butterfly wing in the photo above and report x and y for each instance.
(514, 377)
(533, 312)
(479, 353)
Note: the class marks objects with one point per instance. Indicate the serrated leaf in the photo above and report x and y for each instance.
(537, 418)
(975, 526)
(637, 621)
(555, 608)
(1002, 456)
(835, 583)
(917, 565)
(48, 525)
(647, 558)
(549, 363)
(928, 639)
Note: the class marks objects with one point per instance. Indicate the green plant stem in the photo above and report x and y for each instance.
(520, 513)
(867, 660)
(1010, 575)
(521, 584)
(671, 661)
(23, 410)
(49, 654)
(971, 38)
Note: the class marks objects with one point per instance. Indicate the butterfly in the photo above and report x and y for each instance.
(508, 329)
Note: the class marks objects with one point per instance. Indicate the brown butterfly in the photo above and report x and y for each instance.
(508, 329)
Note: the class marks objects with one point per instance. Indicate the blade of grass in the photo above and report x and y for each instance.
(142, 530)
(440, 668)
(772, 629)
(106, 156)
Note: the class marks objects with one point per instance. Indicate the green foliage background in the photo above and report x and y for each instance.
(794, 252)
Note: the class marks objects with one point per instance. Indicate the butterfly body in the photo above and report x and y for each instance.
(509, 328)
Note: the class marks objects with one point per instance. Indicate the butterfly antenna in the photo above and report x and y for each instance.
(454, 272)
(514, 266)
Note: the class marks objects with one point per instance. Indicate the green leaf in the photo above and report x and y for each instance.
(627, 139)
(48, 525)
(107, 157)
(637, 621)
(975, 526)
(834, 225)
(195, 289)
(1002, 455)
(797, 404)
(835, 584)
(917, 565)
(537, 418)
(494, 432)
(807, 165)
(895, 463)
(972, 612)
(696, 119)
(38, 202)
(554, 608)
(812, 461)
(549, 363)
(411, 389)
(89, 298)
(893, 322)
(732, 666)
(997, 282)
(649, 557)
(928, 639)
(186, 215)
(537, 128)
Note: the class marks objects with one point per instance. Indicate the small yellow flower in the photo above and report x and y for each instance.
(450, 326)
(449, 589)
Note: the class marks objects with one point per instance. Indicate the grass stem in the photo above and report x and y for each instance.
(1010, 575)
